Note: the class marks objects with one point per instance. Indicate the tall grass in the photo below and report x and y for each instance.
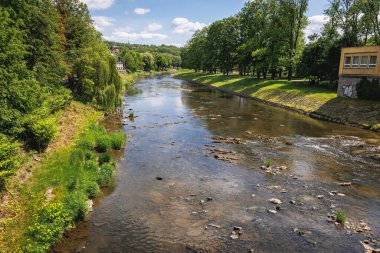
(75, 176)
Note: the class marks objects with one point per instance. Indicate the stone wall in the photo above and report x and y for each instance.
(347, 86)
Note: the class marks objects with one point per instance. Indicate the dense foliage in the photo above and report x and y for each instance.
(266, 38)
(147, 57)
(84, 172)
(49, 53)
(162, 49)
(367, 89)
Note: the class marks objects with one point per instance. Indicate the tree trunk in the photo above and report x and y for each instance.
(290, 73)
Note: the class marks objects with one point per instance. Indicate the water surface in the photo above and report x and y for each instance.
(180, 129)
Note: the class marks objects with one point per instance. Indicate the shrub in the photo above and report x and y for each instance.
(42, 132)
(92, 189)
(104, 158)
(76, 205)
(117, 140)
(106, 174)
(89, 155)
(50, 223)
(98, 129)
(91, 165)
(368, 89)
(103, 143)
(77, 156)
(85, 144)
(73, 184)
(9, 159)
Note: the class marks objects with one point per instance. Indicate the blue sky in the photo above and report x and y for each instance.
(171, 21)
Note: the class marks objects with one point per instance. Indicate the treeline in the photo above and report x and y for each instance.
(267, 38)
(162, 49)
(49, 53)
(147, 57)
(135, 61)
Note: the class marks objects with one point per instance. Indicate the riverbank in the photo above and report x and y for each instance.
(51, 191)
(297, 96)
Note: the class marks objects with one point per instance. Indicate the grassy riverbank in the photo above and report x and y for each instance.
(296, 95)
(50, 191)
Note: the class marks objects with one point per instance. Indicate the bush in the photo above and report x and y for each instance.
(106, 174)
(103, 143)
(92, 189)
(42, 132)
(50, 223)
(9, 159)
(89, 155)
(117, 140)
(368, 89)
(73, 184)
(76, 205)
(85, 144)
(91, 165)
(104, 158)
(77, 156)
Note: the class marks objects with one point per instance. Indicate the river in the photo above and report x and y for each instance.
(208, 148)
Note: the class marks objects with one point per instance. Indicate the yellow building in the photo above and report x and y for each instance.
(356, 63)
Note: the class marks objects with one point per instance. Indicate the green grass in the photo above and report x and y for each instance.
(296, 94)
(55, 196)
(340, 217)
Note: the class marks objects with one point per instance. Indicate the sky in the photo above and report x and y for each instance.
(172, 22)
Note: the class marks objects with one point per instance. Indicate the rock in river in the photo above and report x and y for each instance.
(275, 201)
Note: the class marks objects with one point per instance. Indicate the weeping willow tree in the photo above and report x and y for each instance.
(96, 78)
(93, 76)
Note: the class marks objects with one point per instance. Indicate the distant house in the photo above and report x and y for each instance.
(120, 67)
(115, 50)
(356, 63)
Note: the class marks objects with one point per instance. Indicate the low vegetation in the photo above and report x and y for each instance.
(57, 195)
(340, 217)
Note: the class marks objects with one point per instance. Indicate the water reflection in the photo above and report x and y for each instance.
(172, 138)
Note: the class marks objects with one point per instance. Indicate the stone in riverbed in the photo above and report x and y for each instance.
(272, 211)
(320, 196)
(234, 237)
(346, 184)
(275, 201)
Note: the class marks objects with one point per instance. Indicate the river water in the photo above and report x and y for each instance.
(205, 144)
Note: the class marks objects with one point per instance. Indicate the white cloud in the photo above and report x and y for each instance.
(100, 22)
(153, 27)
(98, 4)
(316, 24)
(141, 11)
(183, 25)
(125, 35)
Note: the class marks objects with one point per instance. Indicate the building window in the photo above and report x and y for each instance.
(372, 61)
(364, 62)
(347, 62)
(355, 62)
